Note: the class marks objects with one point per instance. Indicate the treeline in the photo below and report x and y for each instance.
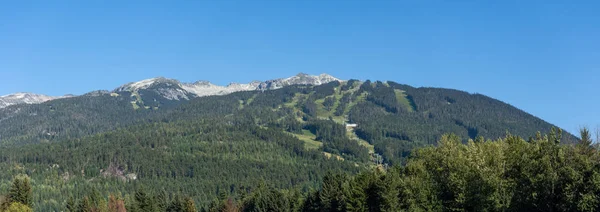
(141, 201)
(393, 117)
(509, 174)
(396, 118)
(335, 141)
(200, 158)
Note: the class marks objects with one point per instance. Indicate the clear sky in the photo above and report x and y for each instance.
(540, 56)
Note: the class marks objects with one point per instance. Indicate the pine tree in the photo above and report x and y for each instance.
(71, 205)
(585, 145)
(161, 201)
(176, 204)
(190, 206)
(21, 191)
(85, 205)
(332, 192)
(144, 202)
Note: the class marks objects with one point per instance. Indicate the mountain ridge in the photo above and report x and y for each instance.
(207, 88)
(27, 98)
(177, 89)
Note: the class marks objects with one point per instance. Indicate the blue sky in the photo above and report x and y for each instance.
(541, 56)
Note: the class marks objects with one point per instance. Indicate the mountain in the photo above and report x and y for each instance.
(382, 110)
(171, 89)
(26, 98)
(174, 90)
(164, 92)
(289, 132)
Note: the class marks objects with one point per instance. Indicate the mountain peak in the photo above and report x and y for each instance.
(203, 82)
(144, 84)
(26, 98)
(174, 89)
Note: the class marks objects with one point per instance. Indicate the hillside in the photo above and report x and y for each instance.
(398, 111)
(214, 145)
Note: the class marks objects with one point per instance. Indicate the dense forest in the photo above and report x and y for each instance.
(266, 150)
(508, 174)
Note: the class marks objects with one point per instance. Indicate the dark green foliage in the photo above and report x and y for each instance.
(334, 139)
(329, 102)
(350, 84)
(145, 202)
(220, 144)
(310, 108)
(291, 124)
(266, 198)
(71, 205)
(395, 131)
(84, 205)
(344, 101)
(325, 90)
(199, 158)
(64, 118)
(383, 96)
(21, 192)
(510, 174)
(177, 204)
(332, 194)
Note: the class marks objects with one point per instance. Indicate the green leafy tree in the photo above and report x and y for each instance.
(18, 207)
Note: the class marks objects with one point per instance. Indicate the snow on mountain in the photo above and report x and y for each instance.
(300, 79)
(174, 90)
(26, 98)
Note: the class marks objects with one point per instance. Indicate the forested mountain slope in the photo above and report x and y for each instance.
(207, 146)
(393, 117)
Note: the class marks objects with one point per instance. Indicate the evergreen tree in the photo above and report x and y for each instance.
(144, 202)
(85, 205)
(71, 205)
(190, 206)
(332, 194)
(21, 191)
(585, 145)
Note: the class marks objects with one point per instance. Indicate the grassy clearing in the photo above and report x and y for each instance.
(329, 155)
(401, 97)
(138, 101)
(295, 100)
(241, 106)
(360, 98)
(309, 139)
(251, 99)
(325, 114)
(352, 135)
(135, 105)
